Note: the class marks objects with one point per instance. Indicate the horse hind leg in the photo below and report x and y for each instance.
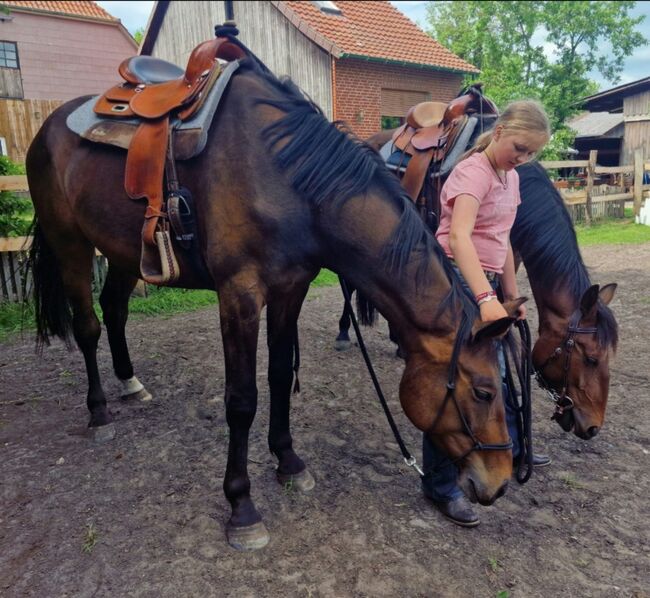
(114, 301)
(62, 272)
(282, 317)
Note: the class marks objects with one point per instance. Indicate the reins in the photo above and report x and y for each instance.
(451, 387)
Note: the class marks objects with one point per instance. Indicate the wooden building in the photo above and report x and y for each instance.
(51, 52)
(362, 62)
(632, 100)
(602, 131)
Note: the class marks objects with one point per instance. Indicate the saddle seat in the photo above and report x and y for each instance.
(430, 132)
(148, 70)
(155, 92)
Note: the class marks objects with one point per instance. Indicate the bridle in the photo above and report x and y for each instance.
(409, 459)
(562, 400)
(451, 387)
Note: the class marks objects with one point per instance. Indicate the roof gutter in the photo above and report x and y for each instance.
(417, 65)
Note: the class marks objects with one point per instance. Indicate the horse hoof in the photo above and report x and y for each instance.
(342, 345)
(100, 434)
(303, 481)
(251, 537)
(140, 395)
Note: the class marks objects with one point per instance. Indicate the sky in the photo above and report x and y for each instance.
(134, 15)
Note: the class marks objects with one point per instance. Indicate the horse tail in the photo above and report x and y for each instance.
(366, 310)
(51, 306)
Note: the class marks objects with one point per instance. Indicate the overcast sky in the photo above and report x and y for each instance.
(134, 15)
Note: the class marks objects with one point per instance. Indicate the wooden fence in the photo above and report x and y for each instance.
(594, 200)
(16, 283)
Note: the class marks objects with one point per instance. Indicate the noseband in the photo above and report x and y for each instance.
(562, 400)
(451, 388)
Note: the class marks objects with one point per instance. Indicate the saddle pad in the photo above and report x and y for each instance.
(397, 160)
(190, 136)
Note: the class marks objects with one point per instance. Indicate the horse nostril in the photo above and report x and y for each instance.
(591, 432)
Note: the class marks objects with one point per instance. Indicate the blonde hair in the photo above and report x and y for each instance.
(520, 116)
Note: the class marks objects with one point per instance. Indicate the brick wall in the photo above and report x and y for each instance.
(358, 85)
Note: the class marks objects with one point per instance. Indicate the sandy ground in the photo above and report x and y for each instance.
(144, 515)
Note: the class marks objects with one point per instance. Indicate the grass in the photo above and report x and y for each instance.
(90, 538)
(160, 301)
(613, 232)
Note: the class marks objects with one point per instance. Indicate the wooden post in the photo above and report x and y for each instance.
(638, 181)
(591, 171)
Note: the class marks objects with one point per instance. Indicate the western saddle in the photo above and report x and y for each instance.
(427, 138)
(159, 94)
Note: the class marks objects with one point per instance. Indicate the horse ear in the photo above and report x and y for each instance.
(589, 301)
(494, 329)
(512, 307)
(607, 293)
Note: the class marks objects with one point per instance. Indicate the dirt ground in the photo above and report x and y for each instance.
(144, 515)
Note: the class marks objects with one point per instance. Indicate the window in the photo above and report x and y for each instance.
(8, 55)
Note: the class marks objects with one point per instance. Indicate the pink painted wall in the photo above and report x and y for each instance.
(62, 58)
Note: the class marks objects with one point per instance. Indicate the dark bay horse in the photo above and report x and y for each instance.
(280, 193)
(577, 331)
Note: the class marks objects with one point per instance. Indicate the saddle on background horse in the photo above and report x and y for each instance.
(431, 140)
(147, 114)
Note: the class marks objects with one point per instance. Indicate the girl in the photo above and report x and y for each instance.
(478, 207)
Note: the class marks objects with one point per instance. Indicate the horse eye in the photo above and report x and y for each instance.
(483, 395)
(591, 361)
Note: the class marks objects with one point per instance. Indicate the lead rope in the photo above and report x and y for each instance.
(408, 458)
(523, 408)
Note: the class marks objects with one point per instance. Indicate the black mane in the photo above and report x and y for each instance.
(544, 236)
(328, 164)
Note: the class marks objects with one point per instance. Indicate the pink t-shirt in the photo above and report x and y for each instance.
(496, 213)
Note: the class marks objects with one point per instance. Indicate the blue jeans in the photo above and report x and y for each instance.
(440, 483)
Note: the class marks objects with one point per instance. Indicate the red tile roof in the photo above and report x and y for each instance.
(374, 30)
(78, 8)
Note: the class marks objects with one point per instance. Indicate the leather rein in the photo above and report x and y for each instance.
(562, 400)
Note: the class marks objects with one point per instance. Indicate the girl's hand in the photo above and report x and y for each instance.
(521, 312)
(492, 310)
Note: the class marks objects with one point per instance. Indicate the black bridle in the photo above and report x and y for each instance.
(562, 400)
(410, 460)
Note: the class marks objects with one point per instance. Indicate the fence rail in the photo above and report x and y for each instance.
(591, 202)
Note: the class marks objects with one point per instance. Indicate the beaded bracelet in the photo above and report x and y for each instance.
(482, 297)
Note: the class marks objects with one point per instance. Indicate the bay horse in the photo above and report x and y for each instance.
(280, 193)
(577, 331)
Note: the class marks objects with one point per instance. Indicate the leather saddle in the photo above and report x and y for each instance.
(430, 133)
(155, 92)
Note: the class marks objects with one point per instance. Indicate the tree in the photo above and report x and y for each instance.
(543, 50)
(138, 35)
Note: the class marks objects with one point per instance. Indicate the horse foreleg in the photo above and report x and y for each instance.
(282, 317)
(240, 306)
(343, 339)
(115, 307)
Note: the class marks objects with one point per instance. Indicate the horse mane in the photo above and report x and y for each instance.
(544, 236)
(328, 164)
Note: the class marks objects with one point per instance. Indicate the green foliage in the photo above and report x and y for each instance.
(559, 144)
(542, 50)
(138, 36)
(14, 210)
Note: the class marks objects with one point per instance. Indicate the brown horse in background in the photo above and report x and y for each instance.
(279, 193)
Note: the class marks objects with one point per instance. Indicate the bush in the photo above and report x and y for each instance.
(13, 208)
